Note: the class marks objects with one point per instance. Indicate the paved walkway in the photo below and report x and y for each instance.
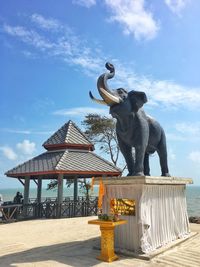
(186, 254)
(69, 242)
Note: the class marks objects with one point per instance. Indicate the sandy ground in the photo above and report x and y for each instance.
(69, 242)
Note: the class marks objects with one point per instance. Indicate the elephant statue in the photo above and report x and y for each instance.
(134, 128)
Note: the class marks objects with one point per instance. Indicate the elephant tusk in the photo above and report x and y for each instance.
(109, 98)
(102, 102)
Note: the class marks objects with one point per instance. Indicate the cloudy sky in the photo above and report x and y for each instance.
(52, 53)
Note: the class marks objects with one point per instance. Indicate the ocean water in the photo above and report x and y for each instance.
(192, 195)
(193, 200)
(9, 194)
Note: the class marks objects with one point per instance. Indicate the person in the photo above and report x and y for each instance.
(18, 198)
(1, 203)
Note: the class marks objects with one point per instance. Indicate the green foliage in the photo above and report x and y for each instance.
(106, 217)
(98, 127)
(83, 183)
(54, 183)
(101, 131)
(85, 186)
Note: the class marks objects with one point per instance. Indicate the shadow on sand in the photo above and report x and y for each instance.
(76, 254)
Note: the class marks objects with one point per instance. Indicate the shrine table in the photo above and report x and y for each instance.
(107, 238)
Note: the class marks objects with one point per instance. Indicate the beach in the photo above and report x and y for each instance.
(70, 242)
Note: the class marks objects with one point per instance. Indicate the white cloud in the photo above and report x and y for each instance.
(77, 52)
(171, 154)
(26, 147)
(29, 36)
(41, 105)
(87, 62)
(8, 130)
(80, 111)
(173, 95)
(85, 3)
(48, 24)
(176, 6)
(8, 152)
(28, 54)
(167, 94)
(65, 46)
(19, 118)
(195, 156)
(186, 132)
(26, 132)
(188, 128)
(175, 137)
(134, 18)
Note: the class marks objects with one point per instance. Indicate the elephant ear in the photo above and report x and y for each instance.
(137, 100)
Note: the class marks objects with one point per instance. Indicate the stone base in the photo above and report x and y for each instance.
(144, 180)
(156, 252)
(160, 211)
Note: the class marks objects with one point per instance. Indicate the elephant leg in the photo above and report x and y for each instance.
(127, 153)
(162, 152)
(146, 165)
(139, 160)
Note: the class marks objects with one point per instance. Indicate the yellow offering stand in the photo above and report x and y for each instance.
(107, 238)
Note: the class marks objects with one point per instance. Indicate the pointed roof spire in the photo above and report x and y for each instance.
(68, 136)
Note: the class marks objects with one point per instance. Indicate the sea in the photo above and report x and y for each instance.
(192, 195)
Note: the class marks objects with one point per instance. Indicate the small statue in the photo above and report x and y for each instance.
(134, 128)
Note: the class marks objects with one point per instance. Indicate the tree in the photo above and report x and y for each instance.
(83, 183)
(101, 131)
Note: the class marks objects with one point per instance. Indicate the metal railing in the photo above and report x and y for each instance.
(50, 209)
(47, 199)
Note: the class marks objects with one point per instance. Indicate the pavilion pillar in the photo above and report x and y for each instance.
(75, 188)
(39, 190)
(26, 189)
(26, 194)
(39, 196)
(60, 194)
(75, 194)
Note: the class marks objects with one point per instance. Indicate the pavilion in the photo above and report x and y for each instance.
(69, 155)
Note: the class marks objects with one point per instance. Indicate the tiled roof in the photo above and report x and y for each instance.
(65, 161)
(68, 134)
(69, 152)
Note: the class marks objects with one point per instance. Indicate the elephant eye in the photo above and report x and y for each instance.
(122, 93)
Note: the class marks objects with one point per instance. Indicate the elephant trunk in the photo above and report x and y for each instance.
(102, 80)
(109, 97)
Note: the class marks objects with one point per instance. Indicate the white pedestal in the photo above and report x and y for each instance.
(161, 211)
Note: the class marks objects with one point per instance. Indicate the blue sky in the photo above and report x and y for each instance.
(52, 53)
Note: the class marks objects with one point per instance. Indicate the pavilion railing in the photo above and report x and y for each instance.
(50, 209)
